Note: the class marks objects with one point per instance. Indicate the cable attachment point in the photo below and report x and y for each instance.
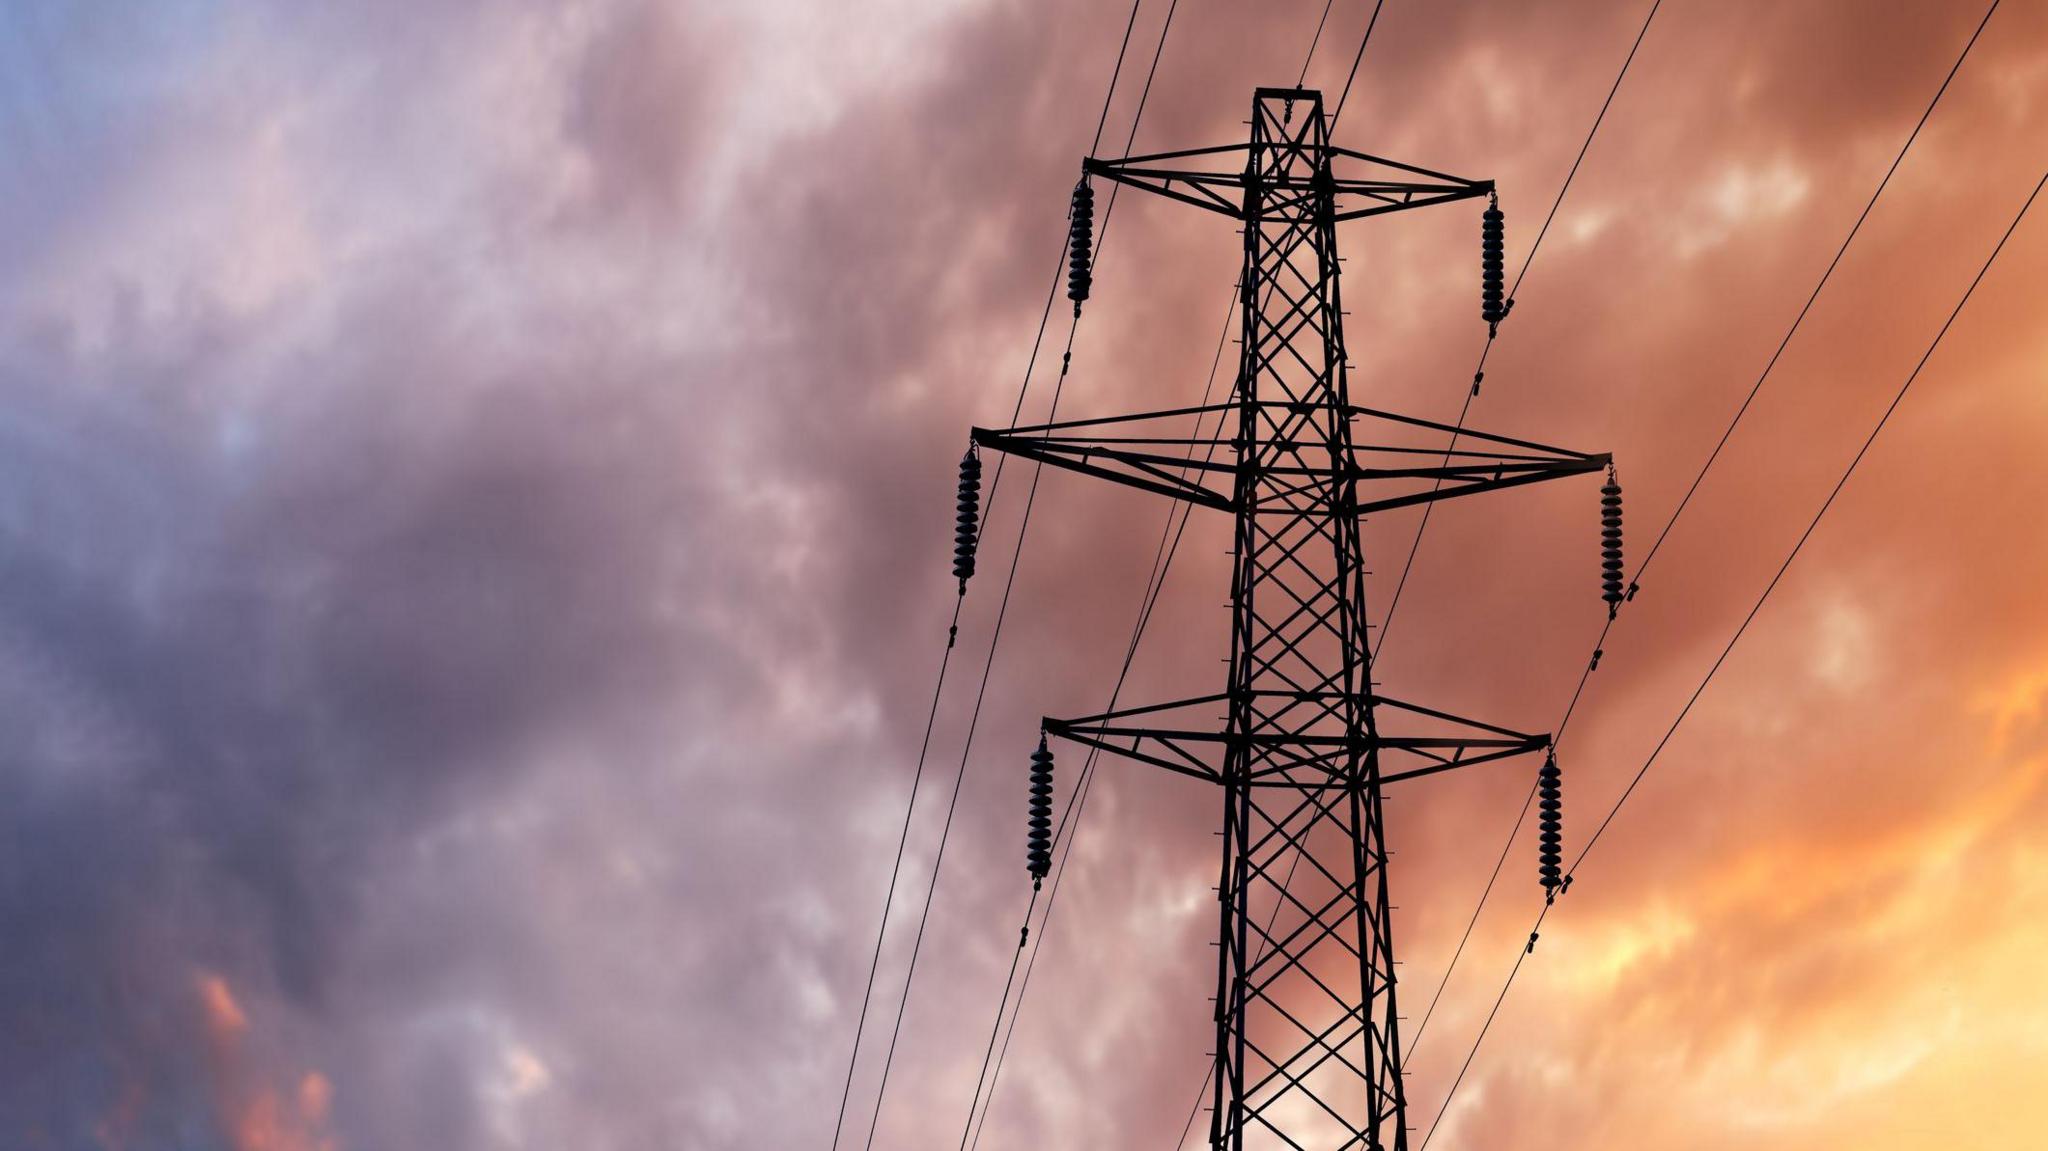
(1492, 246)
(1610, 543)
(1080, 240)
(1550, 790)
(966, 530)
(1038, 856)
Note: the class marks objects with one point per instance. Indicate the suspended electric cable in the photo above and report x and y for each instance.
(1825, 505)
(1799, 545)
(1370, 24)
(1600, 642)
(959, 777)
(1498, 864)
(1780, 350)
(1313, 41)
(1080, 791)
(1155, 581)
(924, 746)
(1479, 371)
(952, 637)
(1023, 526)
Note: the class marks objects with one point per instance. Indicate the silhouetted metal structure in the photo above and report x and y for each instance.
(1307, 1036)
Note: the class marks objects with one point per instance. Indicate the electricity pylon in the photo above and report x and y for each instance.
(1308, 1043)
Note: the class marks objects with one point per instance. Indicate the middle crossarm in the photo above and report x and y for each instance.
(1139, 451)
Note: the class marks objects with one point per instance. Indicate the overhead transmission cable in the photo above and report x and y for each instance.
(1023, 526)
(1080, 794)
(1070, 819)
(1310, 57)
(1370, 23)
(952, 636)
(1479, 371)
(1464, 411)
(1599, 643)
(924, 747)
(1750, 617)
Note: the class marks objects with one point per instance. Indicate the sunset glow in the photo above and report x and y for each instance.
(474, 541)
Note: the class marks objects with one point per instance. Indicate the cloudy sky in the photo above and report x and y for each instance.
(475, 502)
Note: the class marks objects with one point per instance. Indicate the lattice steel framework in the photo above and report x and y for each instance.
(1308, 1042)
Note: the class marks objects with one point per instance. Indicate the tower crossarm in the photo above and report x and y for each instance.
(1299, 737)
(1132, 450)
(1388, 458)
(1291, 173)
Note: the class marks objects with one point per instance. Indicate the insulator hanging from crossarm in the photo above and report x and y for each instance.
(1080, 242)
(1492, 278)
(1038, 853)
(1550, 796)
(1610, 543)
(965, 522)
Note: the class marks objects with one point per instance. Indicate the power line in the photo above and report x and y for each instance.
(924, 747)
(1747, 619)
(1780, 350)
(1479, 372)
(1370, 24)
(952, 636)
(1416, 1040)
(1155, 582)
(1464, 411)
(1600, 642)
(896, 868)
(1131, 22)
(959, 777)
(1825, 505)
(1024, 931)
(973, 721)
(1313, 41)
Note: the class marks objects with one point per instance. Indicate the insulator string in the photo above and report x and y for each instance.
(1080, 229)
(1550, 858)
(966, 530)
(1610, 543)
(1492, 246)
(1038, 853)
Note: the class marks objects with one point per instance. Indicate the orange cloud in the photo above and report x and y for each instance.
(1828, 986)
(250, 1109)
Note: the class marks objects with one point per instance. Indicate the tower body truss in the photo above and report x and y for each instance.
(1306, 1031)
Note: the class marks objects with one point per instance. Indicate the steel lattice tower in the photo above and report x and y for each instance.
(1308, 1040)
